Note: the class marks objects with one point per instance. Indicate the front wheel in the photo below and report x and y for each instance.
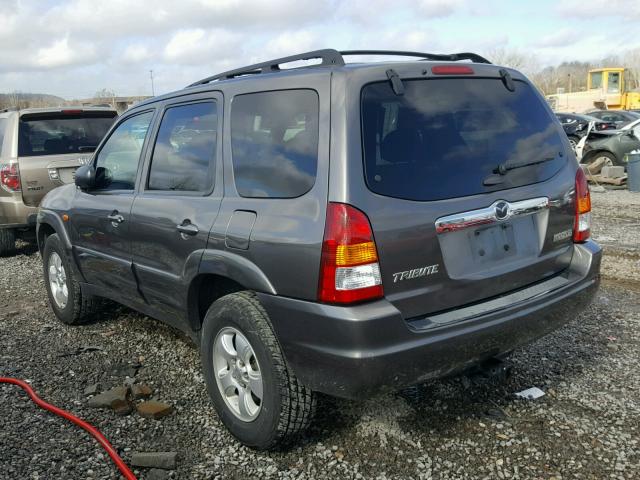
(66, 298)
(255, 394)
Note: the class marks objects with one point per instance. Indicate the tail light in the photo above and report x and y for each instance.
(349, 270)
(10, 177)
(582, 222)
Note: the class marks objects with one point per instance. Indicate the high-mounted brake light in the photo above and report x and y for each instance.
(349, 268)
(452, 70)
(10, 177)
(582, 221)
(71, 112)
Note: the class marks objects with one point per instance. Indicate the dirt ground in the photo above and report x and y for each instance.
(586, 426)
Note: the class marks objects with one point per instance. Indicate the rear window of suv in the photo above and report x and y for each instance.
(61, 133)
(444, 137)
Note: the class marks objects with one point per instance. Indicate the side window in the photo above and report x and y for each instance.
(613, 85)
(184, 154)
(274, 142)
(117, 162)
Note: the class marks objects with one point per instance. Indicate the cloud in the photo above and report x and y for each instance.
(136, 53)
(439, 8)
(195, 46)
(61, 54)
(561, 38)
(75, 47)
(599, 9)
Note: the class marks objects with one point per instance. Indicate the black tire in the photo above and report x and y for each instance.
(573, 140)
(287, 406)
(80, 308)
(609, 156)
(7, 241)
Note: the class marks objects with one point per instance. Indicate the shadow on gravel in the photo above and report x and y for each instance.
(442, 407)
(23, 248)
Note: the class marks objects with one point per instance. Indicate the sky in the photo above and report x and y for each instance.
(73, 48)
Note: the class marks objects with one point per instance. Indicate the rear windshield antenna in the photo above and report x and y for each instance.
(507, 80)
(396, 82)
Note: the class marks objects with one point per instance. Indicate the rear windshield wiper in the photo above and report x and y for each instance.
(506, 167)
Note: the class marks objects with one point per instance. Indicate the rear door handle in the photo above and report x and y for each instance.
(115, 218)
(188, 228)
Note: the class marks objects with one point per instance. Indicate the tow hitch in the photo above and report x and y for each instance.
(493, 370)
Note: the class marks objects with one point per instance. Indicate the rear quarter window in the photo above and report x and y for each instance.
(444, 137)
(274, 139)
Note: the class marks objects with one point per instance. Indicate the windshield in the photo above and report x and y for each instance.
(60, 133)
(443, 137)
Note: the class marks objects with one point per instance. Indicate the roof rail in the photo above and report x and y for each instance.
(329, 57)
(333, 58)
(451, 57)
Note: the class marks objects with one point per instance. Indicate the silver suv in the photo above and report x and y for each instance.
(342, 228)
(40, 149)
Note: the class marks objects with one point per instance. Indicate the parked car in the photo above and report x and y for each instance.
(575, 125)
(336, 228)
(618, 117)
(40, 149)
(612, 146)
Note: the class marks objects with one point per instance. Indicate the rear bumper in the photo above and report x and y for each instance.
(15, 214)
(358, 351)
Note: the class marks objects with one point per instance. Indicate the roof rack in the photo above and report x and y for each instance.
(333, 58)
(329, 57)
(451, 57)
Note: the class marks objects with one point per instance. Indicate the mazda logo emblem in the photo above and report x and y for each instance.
(502, 210)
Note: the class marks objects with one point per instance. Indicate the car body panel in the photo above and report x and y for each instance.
(160, 251)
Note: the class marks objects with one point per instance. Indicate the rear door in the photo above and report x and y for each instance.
(179, 200)
(52, 145)
(455, 220)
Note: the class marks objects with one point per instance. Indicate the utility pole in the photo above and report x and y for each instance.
(153, 91)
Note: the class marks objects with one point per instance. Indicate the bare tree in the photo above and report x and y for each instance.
(105, 93)
(513, 58)
(631, 60)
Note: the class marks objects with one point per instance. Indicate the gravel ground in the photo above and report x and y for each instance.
(586, 426)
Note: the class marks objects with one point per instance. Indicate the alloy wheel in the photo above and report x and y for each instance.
(238, 374)
(58, 280)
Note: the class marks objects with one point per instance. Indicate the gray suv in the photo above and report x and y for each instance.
(341, 228)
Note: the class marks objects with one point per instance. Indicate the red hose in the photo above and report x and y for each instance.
(126, 472)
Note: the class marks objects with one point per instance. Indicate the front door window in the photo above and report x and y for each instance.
(117, 162)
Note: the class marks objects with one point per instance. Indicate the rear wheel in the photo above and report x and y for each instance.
(7, 241)
(603, 159)
(255, 394)
(67, 300)
(573, 141)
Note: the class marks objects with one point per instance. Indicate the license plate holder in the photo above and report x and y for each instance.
(496, 242)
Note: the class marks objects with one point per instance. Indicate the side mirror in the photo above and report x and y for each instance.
(86, 177)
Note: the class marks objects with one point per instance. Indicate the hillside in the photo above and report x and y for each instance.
(24, 100)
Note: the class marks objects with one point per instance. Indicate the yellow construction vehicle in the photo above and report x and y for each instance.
(607, 88)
